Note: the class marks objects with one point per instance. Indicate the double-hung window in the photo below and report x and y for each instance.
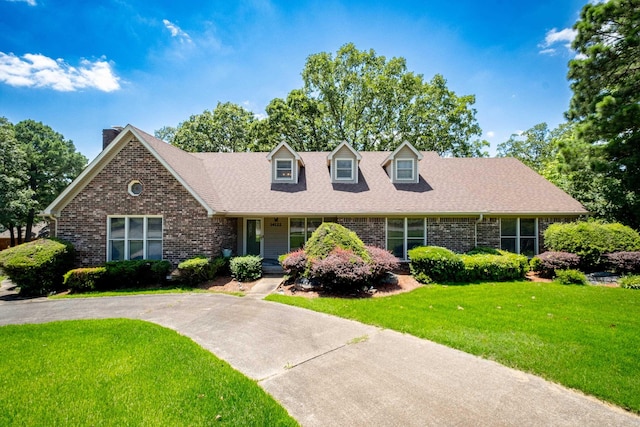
(284, 169)
(404, 170)
(404, 234)
(134, 237)
(300, 229)
(519, 235)
(344, 169)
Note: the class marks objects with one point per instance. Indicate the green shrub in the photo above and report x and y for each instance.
(590, 240)
(434, 263)
(200, 269)
(329, 236)
(547, 263)
(38, 267)
(133, 273)
(84, 279)
(501, 267)
(630, 282)
(246, 268)
(570, 277)
(480, 250)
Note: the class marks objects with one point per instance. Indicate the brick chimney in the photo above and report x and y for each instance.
(108, 135)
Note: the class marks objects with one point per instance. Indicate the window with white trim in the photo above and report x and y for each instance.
(404, 234)
(519, 235)
(284, 170)
(344, 169)
(300, 229)
(134, 237)
(404, 170)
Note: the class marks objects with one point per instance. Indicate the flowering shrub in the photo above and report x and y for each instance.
(624, 262)
(547, 263)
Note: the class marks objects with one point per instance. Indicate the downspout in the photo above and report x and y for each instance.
(53, 218)
(475, 237)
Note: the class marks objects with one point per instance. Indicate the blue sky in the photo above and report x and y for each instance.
(81, 66)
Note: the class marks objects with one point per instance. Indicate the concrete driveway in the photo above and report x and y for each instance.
(328, 371)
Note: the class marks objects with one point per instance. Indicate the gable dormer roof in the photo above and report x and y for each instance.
(285, 164)
(343, 164)
(336, 150)
(392, 156)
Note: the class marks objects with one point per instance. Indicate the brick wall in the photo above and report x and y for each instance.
(370, 230)
(489, 232)
(456, 234)
(187, 228)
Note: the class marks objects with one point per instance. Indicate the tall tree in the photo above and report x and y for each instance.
(535, 147)
(15, 195)
(52, 163)
(375, 104)
(605, 79)
(227, 128)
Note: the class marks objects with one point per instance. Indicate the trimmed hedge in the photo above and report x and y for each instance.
(501, 267)
(38, 267)
(246, 268)
(434, 263)
(591, 240)
(134, 273)
(84, 279)
(624, 262)
(547, 263)
(329, 236)
(200, 269)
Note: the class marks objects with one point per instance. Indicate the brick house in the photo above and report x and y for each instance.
(144, 198)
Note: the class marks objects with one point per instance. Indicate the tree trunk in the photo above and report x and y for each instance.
(12, 236)
(19, 233)
(30, 216)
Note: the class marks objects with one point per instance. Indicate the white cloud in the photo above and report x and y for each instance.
(554, 38)
(490, 134)
(29, 2)
(36, 70)
(176, 31)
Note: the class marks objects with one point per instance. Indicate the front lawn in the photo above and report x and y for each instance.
(584, 337)
(122, 372)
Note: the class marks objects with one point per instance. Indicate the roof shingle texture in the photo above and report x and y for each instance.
(240, 183)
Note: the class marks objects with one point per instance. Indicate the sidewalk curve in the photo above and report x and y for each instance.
(328, 371)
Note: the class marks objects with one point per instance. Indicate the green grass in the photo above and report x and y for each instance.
(122, 372)
(585, 337)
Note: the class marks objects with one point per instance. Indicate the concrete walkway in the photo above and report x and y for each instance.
(328, 371)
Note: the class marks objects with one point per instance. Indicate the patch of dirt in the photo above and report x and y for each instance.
(227, 284)
(533, 277)
(403, 283)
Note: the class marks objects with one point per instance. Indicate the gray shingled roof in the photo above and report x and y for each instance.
(240, 183)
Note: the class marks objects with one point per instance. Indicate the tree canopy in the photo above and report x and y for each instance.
(605, 79)
(355, 96)
(36, 164)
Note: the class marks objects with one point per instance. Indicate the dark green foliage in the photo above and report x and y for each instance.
(590, 240)
(624, 262)
(570, 277)
(630, 282)
(484, 250)
(38, 267)
(134, 273)
(84, 279)
(246, 268)
(329, 236)
(501, 267)
(200, 269)
(433, 263)
(547, 263)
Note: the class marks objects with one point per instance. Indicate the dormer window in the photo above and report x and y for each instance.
(344, 169)
(402, 164)
(284, 169)
(285, 164)
(343, 164)
(404, 170)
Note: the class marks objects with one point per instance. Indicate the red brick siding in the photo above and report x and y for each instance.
(187, 228)
(456, 234)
